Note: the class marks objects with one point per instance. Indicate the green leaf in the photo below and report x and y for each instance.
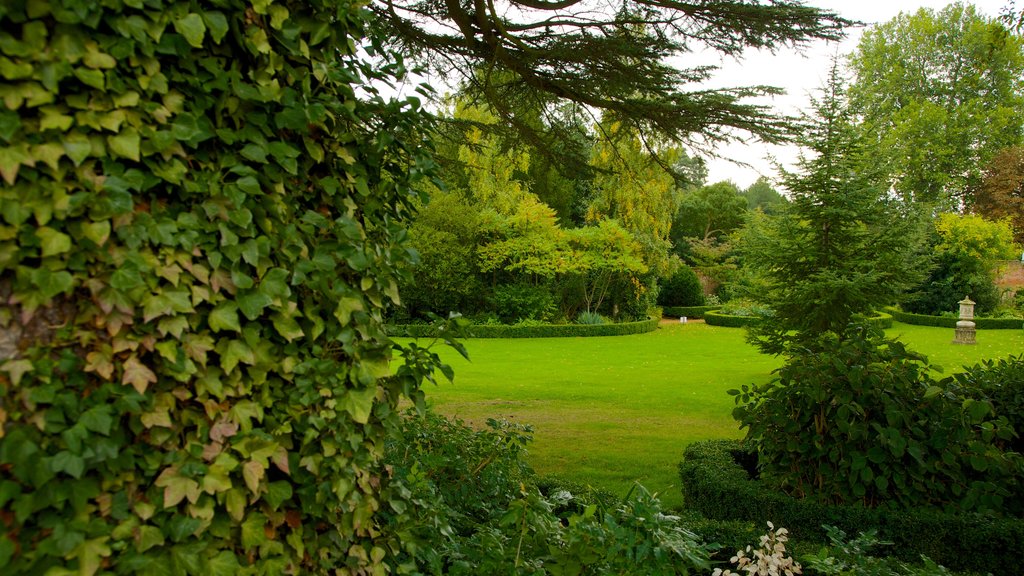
(253, 473)
(252, 303)
(255, 153)
(126, 144)
(98, 232)
(253, 533)
(65, 461)
(216, 24)
(287, 327)
(10, 122)
(91, 78)
(223, 564)
(225, 317)
(346, 306)
(52, 241)
(52, 283)
(97, 419)
(148, 537)
(11, 159)
(277, 493)
(236, 351)
(77, 147)
(359, 403)
(192, 28)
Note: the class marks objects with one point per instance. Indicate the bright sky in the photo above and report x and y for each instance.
(801, 75)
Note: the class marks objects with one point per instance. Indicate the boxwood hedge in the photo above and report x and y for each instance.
(526, 331)
(950, 322)
(717, 483)
(716, 318)
(693, 312)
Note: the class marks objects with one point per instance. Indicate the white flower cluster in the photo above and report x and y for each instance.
(768, 560)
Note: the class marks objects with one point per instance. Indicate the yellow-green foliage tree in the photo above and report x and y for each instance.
(200, 224)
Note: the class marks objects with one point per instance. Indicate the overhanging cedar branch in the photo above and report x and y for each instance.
(616, 57)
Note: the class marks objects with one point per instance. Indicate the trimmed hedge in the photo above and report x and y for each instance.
(950, 322)
(882, 319)
(716, 483)
(693, 312)
(716, 318)
(542, 331)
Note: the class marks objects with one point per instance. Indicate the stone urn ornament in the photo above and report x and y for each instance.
(965, 332)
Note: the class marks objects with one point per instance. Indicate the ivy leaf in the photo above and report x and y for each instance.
(223, 564)
(177, 487)
(52, 283)
(253, 472)
(252, 304)
(98, 232)
(65, 461)
(225, 317)
(91, 554)
(216, 24)
(237, 351)
(137, 374)
(16, 369)
(148, 537)
(11, 159)
(126, 144)
(345, 308)
(77, 147)
(287, 327)
(52, 241)
(97, 419)
(277, 493)
(359, 403)
(10, 122)
(192, 28)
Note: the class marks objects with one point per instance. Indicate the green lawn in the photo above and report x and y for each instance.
(613, 410)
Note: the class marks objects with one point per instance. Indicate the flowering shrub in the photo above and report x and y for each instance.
(768, 560)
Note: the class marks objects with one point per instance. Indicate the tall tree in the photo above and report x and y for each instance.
(709, 212)
(842, 247)
(942, 92)
(604, 56)
(1001, 194)
(761, 195)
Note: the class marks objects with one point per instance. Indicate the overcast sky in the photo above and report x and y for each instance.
(800, 75)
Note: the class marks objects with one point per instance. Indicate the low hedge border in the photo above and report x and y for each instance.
(948, 322)
(543, 331)
(719, 487)
(715, 318)
(694, 312)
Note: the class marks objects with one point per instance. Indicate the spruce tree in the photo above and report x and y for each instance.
(843, 247)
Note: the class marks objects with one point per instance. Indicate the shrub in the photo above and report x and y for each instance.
(716, 484)
(719, 318)
(203, 215)
(590, 318)
(1002, 383)
(487, 516)
(538, 331)
(681, 289)
(862, 421)
(516, 302)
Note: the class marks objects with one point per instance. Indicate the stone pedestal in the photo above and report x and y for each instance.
(965, 332)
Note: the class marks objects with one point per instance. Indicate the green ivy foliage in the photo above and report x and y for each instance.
(201, 220)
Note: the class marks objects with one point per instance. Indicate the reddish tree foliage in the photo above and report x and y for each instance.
(1002, 190)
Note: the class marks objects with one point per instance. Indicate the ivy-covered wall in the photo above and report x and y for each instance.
(201, 219)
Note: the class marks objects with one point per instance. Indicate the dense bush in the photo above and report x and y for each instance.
(863, 421)
(719, 480)
(1001, 382)
(532, 331)
(681, 289)
(487, 515)
(200, 222)
(516, 302)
